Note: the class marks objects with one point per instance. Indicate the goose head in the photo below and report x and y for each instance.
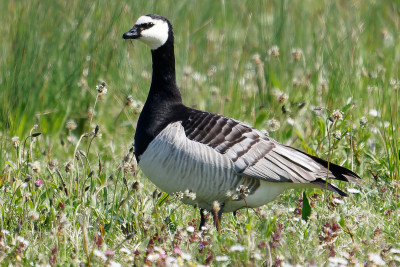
(153, 30)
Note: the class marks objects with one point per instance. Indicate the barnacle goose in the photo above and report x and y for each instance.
(182, 149)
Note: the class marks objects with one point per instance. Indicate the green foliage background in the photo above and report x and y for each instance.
(54, 53)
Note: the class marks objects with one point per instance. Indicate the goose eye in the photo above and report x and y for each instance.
(147, 25)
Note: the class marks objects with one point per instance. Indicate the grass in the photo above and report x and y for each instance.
(71, 193)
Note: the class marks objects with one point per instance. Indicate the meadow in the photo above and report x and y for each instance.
(322, 76)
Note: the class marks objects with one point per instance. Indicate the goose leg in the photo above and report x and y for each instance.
(203, 219)
(217, 219)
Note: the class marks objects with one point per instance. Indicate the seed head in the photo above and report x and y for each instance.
(274, 51)
(273, 125)
(257, 59)
(337, 134)
(129, 101)
(297, 53)
(363, 121)
(178, 195)
(71, 125)
(283, 97)
(137, 185)
(33, 215)
(35, 166)
(15, 141)
(101, 89)
(337, 115)
(68, 167)
(243, 191)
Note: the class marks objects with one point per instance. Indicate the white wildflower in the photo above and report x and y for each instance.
(171, 261)
(337, 134)
(237, 247)
(114, 264)
(190, 194)
(190, 229)
(290, 121)
(71, 125)
(363, 121)
(35, 166)
(15, 141)
(24, 185)
(297, 53)
(64, 222)
(22, 240)
(5, 232)
(99, 254)
(376, 259)
(197, 76)
(338, 201)
(33, 215)
(257, 256)
(337, 115)
(273, 51)
(385, 124)
(283, 97)
(273, 125)
(232, 195)
(159, 250)
(353, 190)
(101, 88)
(153, 257)
(178, 195)
(187, 70)
(373, 113)
(125, 250)
(338, 261)
(186, 256)
(222, 258)
(394, 250)
(243, 190)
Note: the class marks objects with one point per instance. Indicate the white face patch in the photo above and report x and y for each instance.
(156, 35)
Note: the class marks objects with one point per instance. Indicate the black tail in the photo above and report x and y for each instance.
(336, 172)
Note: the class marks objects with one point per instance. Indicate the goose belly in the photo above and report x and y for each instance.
(265, 193)
(175, 163)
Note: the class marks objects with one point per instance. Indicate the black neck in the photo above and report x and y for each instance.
(164, 100)
(163, 84)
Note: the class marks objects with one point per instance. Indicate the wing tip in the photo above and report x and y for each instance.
(325, 185)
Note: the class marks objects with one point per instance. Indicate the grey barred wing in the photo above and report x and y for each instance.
(251, 151)
(256, 155)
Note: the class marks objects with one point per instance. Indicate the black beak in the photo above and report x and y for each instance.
(132, 33)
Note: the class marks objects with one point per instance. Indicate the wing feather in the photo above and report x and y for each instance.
(256, 155)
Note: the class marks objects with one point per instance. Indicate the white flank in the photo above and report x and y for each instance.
(155, 36)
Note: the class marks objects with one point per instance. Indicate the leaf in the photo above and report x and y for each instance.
(260, 118)
(306, 210)
(53, 185)
(162, 199)
(107, 227)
